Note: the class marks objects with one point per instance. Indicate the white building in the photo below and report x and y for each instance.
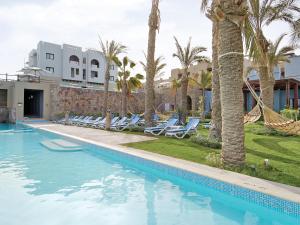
(73, 65)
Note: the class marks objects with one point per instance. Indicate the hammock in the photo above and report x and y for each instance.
(273, 119)
(280, 123)
(253, 116)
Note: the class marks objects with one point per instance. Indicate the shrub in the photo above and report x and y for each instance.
(208, 115)
(291, 114)
(204, 141)
(214, 159)
(137, 129)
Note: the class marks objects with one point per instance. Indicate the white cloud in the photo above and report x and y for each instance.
(78, 22)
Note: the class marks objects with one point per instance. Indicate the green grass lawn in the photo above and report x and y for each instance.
(283, 153)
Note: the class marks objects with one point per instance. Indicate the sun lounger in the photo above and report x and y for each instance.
(132, 123)
(122, 122)
(182, 131)
(91, 122)
(161, 128)
(207, 125)
(74, 120)
(86, 119)
(84, 122)
(113, 121)
(99, 123)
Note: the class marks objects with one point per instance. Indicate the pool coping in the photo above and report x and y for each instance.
(274, 189)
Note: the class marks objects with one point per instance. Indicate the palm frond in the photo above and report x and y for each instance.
(188, 55)
(204, 5)
(295, 31)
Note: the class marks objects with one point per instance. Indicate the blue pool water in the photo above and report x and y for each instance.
(96, 186)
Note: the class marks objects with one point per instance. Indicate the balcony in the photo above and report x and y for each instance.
(94, 67)
(74, 64)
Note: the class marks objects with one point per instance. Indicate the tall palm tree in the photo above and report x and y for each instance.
(202, 81)
(158, 68)
(126, 82)
(278, 55)
(158, 65)
(261, 14)
(110, 50)
(187, 57)
(231, 14)
(216, 128)
(153, 23)
(176, 84)
(296, 31)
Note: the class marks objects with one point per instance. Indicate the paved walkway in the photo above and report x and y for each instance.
(114, 140)
(97, 135)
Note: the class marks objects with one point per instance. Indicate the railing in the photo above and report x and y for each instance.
(7, 77)
(15, 77)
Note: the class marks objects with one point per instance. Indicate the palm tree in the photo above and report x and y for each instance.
(158, 65)
(187, 57)
(202, 81)
(153, 23)
(296, 31)
(126, 82)
(158, 68)
(231, 14)
(175, 85)
(110, 50)
(261, 14)
(216, 119)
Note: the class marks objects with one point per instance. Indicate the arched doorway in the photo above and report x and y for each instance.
(189, 103)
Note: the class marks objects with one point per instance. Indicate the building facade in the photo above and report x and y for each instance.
(167, 97)
(286, 88)
(73, 65)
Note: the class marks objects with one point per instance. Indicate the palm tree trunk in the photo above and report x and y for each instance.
(231, 83)
(203, 105)
(216, 119)
(150, 73)
(106, 86)
(175, 100)
(124, 97)
(267, 83)
(184, 89)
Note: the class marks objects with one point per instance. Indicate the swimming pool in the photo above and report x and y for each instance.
(102, 186)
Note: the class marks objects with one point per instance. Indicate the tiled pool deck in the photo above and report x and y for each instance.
(113, 140)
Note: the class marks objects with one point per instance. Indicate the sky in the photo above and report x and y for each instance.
(23, 23)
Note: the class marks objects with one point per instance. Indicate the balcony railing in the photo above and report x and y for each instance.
(94, 67)
(74, 63)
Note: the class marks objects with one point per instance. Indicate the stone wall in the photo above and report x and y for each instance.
(90, 101)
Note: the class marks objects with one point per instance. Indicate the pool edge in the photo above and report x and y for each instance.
(200, 169)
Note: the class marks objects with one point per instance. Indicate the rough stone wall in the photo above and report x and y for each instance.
(167, 95)
(89, 101)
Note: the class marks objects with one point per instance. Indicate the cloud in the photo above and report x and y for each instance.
(78, 22)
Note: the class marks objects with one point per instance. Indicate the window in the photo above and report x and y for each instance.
(50, 56)
(84, 74)
(94, 74)
(74, 58)
(50, 69)
(179, 76)
(282, 72)
(111, 78)
(77, 71)
(112, 67)
(84, 60)
(95, 63)
(3, 98)
(72, 72)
